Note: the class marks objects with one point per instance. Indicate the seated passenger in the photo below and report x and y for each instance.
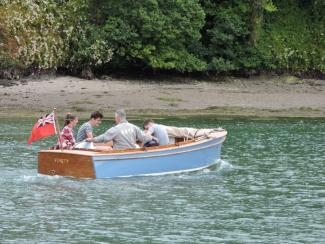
(157, 131)
(124, 135)
(86, 130)
(66, 137)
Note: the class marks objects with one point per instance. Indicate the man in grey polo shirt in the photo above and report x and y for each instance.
(124, 135)
(157, 131)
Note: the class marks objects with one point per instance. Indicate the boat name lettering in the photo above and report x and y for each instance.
(61, 160)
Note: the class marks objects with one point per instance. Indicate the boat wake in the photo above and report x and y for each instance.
(219, 166)
(40, 177)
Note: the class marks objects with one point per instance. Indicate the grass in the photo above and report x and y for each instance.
(79, 109)
(82, 102)
(173, 104)
(213, 111)
(291, 80)
(170, 100)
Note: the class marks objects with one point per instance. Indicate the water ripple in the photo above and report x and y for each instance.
(268, 188)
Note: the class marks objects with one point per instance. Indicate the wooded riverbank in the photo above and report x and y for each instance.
(90, 38)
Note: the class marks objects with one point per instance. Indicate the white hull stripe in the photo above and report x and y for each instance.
(169, 172)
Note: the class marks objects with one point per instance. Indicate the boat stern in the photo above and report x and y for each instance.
(65, 163)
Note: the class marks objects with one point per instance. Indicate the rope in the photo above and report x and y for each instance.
(196, 133)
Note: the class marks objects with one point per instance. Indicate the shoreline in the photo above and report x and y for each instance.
(261, 97)
(219, 113)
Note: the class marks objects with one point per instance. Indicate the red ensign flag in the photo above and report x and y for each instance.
(44, 127)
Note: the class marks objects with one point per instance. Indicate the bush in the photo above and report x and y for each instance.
(293, 38)
(161, 34)
(181, 35)
(36, 28)
(225, 42)
(47, 34)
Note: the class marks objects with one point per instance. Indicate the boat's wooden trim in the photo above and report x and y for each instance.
(144, 149)
(95, 152)
(186, 143)
(180, 142)
(96, 158)
(59, 163)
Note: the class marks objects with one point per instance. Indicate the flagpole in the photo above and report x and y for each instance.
(57, 128)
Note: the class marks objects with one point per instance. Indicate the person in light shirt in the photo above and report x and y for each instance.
(124, 135)
(157, 131)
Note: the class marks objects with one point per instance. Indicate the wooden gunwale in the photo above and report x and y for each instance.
(144, 149)
(159, 148)
(93, 152)
(160, 155)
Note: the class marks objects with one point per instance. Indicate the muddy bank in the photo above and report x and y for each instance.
(277, 96)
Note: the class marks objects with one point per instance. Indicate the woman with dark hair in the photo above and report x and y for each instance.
(66, 135)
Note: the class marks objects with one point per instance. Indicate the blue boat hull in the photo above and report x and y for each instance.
(157, 161)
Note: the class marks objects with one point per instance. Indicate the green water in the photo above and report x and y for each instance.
(268, 188)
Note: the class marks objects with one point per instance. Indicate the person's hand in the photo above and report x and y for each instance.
(155, 139)
(90, 140)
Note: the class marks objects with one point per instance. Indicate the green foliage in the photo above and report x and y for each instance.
(268, 5)
(293, 38)
(89, 49)
(181, 35)
(258, 7)
(40, 34)
(6, 62)
(34, 31)
(225, 42)
(161, 34)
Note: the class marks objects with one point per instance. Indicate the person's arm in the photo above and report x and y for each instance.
(63, 142)
(142, 136)
(150, 131)
(89, 131)
(156, 139)
(66, 138)
(107, 136)
(89, 134)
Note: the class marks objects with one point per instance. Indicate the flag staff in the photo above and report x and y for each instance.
(57, 127)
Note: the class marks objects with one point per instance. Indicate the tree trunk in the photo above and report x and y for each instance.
(256, 20)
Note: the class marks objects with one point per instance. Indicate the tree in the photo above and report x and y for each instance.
(161, 34)
(257, 9)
